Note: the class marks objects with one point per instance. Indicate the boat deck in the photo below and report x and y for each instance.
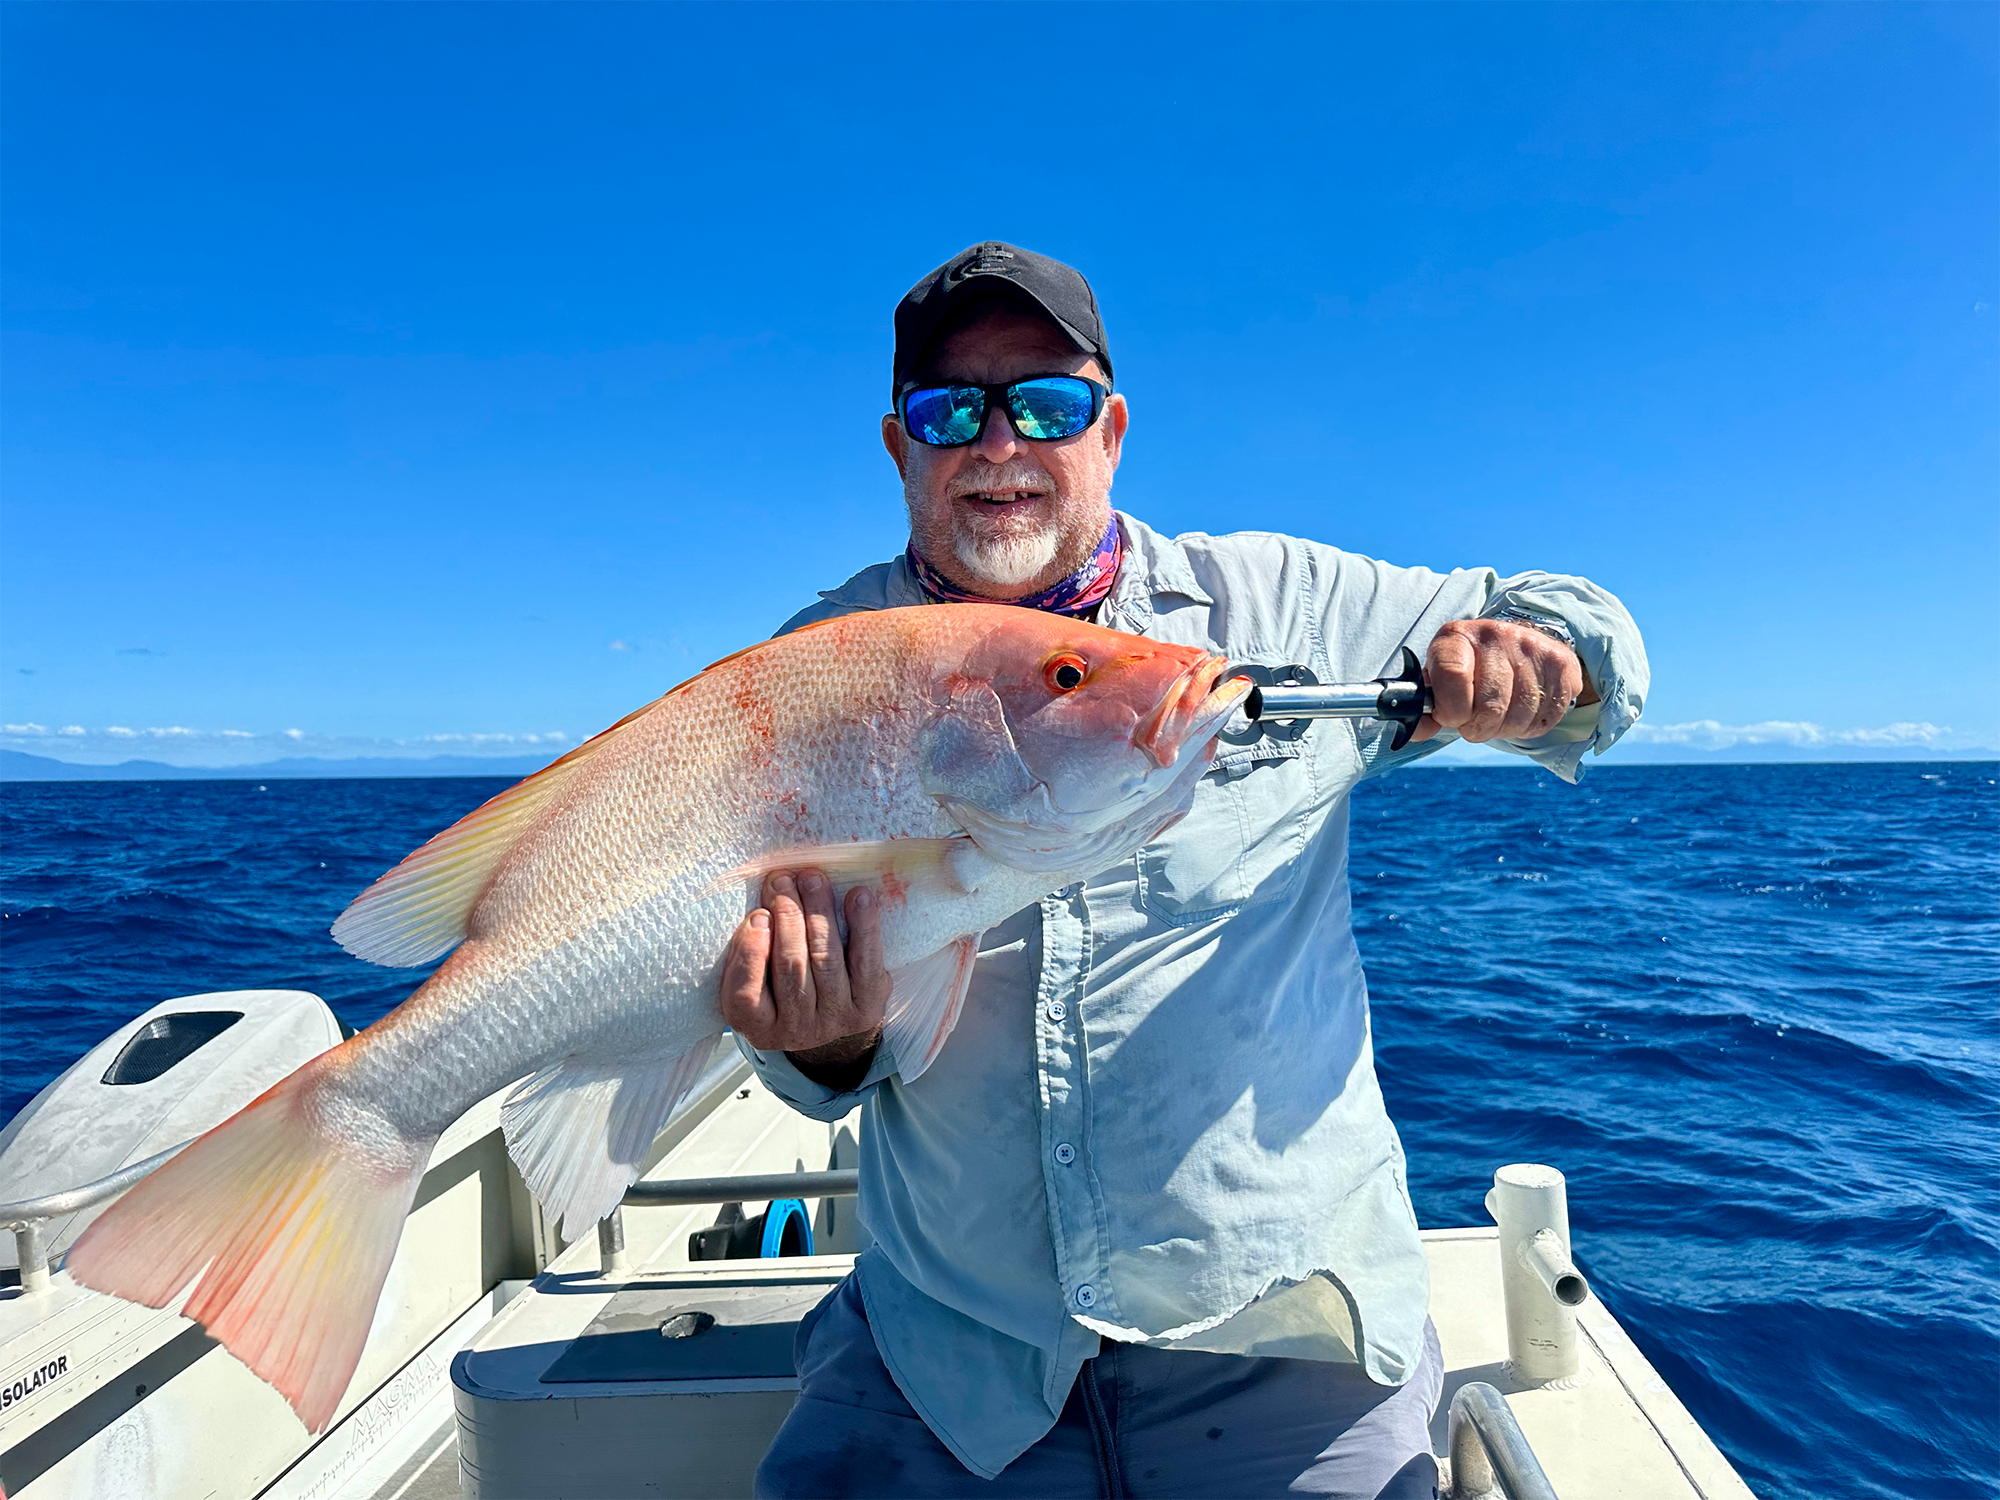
(1616, 1433)
(460, 1393)
(432, 1474)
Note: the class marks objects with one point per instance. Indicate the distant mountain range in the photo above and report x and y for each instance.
(16, 765)
(1629, 754)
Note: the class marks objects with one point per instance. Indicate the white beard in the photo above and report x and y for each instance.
(1006, 560)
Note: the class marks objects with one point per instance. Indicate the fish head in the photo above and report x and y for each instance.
(1062, 741)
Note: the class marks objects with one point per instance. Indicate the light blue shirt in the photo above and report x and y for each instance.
(1158, 1120)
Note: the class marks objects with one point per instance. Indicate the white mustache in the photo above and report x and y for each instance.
(986, 478)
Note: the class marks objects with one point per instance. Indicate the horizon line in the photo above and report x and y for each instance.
(43, 768)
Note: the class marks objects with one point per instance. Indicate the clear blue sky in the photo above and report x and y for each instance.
(390, 372)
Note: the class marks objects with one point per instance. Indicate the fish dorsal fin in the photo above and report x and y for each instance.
(418, 911)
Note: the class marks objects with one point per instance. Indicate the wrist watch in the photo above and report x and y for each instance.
(1548, 625)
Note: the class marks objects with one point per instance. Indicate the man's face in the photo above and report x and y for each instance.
(1005, 517)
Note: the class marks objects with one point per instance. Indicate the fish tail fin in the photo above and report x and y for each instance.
(289, 1211)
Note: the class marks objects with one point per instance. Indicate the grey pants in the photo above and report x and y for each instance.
(1139, 1422)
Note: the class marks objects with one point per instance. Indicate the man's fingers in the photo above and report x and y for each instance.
(868, 980)
(823, 947)
(791, 969)
(1426, 727)
(1492, 696)
(1524, 701)
(1497, 680)
(1448, 669)
(746, 999)
(1562, 680)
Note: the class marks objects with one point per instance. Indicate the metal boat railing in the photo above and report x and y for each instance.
(687, 1191)
(1489, 1453)
(27, 1216)
(677, 1192)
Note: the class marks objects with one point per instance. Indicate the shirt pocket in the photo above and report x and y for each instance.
(1240, 844)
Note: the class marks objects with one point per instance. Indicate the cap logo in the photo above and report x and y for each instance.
(984, 260)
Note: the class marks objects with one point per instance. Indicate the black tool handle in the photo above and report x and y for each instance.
(1405, 698)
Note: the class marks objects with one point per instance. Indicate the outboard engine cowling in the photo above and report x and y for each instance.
(162, 1078)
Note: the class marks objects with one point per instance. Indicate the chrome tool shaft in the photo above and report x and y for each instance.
(1403, 698)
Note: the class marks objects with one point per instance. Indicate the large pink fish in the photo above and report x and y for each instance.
(967, 759)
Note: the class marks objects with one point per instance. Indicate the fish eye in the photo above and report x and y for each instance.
(1065, 673)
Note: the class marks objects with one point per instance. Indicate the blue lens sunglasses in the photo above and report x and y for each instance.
(1042, 409)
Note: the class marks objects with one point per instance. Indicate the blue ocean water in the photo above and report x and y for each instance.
(1749, 1010)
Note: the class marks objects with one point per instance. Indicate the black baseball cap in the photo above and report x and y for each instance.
(995, 271)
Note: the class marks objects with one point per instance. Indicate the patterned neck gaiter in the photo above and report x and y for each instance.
(1078, 594)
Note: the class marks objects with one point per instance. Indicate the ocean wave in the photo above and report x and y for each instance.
(1747, 1009)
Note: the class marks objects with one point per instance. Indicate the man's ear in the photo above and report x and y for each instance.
(1116, 419)
(896, 441)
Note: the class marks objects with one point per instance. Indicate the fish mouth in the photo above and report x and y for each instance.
(1194, 708)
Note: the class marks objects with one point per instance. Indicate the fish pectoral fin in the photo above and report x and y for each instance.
(924, 1001)
(931, 867)
(579, 1130)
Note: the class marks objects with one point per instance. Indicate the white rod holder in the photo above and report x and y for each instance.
(1548, 1258)
(1540, 1282)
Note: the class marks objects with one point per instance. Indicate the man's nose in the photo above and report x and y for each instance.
(998, 441)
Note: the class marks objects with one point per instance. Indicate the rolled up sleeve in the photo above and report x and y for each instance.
(1613, 657)
(814, 1100)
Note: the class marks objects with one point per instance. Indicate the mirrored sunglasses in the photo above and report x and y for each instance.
(1042, 409)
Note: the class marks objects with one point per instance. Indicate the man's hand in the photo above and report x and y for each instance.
(788, 985)
(1496, 680)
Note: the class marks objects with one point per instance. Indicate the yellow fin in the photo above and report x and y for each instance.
(418, 911)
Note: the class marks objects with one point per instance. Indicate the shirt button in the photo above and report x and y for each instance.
(1086, 1295)
(1065, 1153)
(1057, 1010)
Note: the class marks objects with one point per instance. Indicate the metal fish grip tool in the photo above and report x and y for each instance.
(1292, 694)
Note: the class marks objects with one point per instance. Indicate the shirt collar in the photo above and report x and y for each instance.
(1156, 564)
(1155, 567)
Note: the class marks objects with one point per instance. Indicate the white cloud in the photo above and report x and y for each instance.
(1712, 734)
(553, 737)
(1893, 734)
(621, 645)
(183, 745)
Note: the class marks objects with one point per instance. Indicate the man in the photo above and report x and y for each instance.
(1142, 1228)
